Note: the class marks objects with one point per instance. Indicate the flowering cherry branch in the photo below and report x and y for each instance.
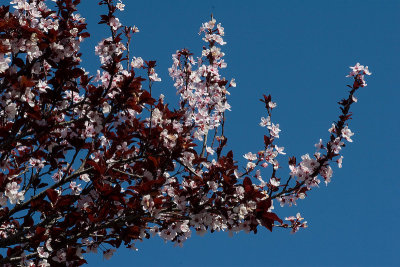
(93, 162)
(308, 170)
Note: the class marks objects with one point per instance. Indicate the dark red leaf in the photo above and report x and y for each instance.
(272, 216)
(52, 195)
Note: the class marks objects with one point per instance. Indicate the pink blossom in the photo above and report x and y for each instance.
(272, 105)
(241, 211)
(339, 161)
(273, 181)
(337, 145)
(210, 150)
(120, 6)
(274, 130)
(366, 71)
(214, 38)
(332, 129)
(296, 222)
(280, 150)
(326, 172)
(358, 72)
(207, 26)
(250, 166)
(137, 62)
(250, 156)
(106, 48)
(220, 29)
(154, 76)
(232, 83)
(76, 189)
(147, 203)
(359, 69)
(42, 86)
(265, 121)
(57, 176)
(135, 29)
(264, 165)
(47, 24)
(12, 193)
(347, 134)
(114, 23)
(42, 253)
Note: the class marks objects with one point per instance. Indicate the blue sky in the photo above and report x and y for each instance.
(299, 52)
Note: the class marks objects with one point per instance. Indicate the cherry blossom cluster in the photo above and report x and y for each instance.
(296, 223)
(358, 72)
(107, 49)
(203, 89)
(90, 162)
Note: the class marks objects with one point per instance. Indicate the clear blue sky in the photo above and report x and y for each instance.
(299, 52)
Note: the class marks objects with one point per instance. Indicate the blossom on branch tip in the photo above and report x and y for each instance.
(120, 6)
(154, 76)
(207, 26)
(359, 69)
(272, 105)
(358, 72)
(296, 222)
(135, 29)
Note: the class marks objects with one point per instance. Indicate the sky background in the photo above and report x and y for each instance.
(299, 52)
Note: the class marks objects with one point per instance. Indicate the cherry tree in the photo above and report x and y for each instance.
(90, 162)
